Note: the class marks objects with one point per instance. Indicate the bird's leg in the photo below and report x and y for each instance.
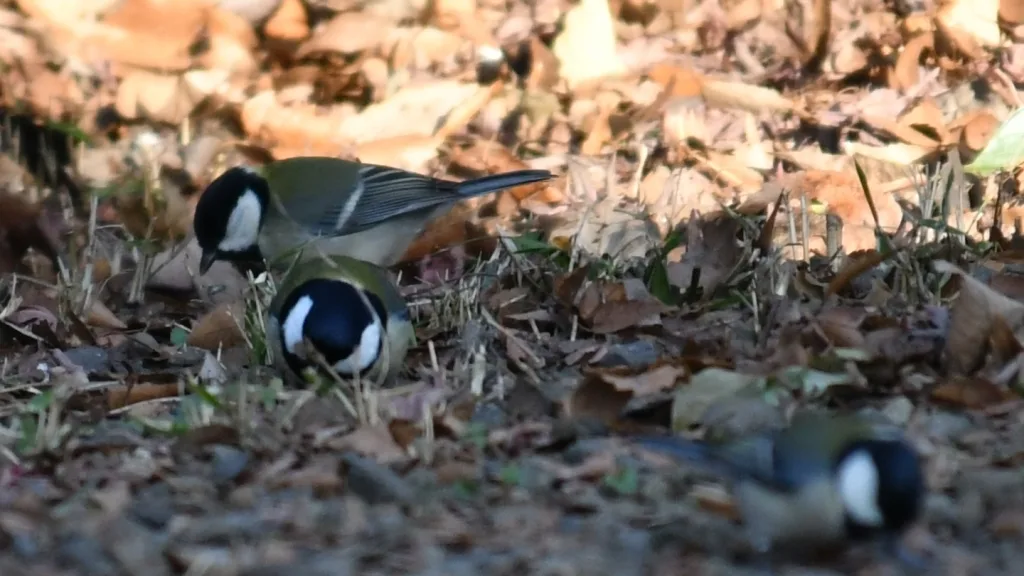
(764, 556)
(893, 547)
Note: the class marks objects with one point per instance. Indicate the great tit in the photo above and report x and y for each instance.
(350, 311)
(823, 481)
(363, 211)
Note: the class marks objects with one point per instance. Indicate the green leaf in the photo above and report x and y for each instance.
(69, 130)
(511, 475)
(466, 488)
(29, 429)
(624, 481)
(812, 382)
(1004, 151)
(178, 336)
(532, 243)
(41, 402)
(658, 284)
(268, 394)
(477, 434)
(205, 395)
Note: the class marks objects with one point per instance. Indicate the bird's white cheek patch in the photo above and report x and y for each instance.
(366, 355)
(858, 487)
(243, 225)
(293, 323)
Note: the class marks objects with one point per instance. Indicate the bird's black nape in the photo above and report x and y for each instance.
(336, 321)
(216, 205)
(901, 486)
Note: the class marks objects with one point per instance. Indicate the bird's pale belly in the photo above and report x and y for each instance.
(383, 246)
(813, 519)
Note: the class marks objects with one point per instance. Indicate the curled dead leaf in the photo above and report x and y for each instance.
(305, 129)
(749, 97)
(100, 316)
(905, 74)
(650, 380)
(25, 225)
(1011, 12)
(374, 441)
(148, 213)
(970, 24)
(597, 399)
(926, 117)
(158, 97)
(218, 329)
(347, 33)
(586, 49)
(704, 389)
(976, 134)
(608, 307)
(289, 22)
(971, 393)
(125, 35)
(26, 316)
(842, 326)
(678, 82)
(971, 320)
(121, 396)
(713, 249)
(252, 11)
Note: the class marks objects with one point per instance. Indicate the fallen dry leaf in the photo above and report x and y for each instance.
(647, 381)
(905, 74)
(706, 387)
(597, 399)
(712, 249)
(587, 47)
(100, 316)
(971, 320)
(253, 11)
(970, 23)
(289, 22)
(157, 97)
(374, 441)
(347, 33)
(24, 226)
(976, 134)
(749, 97)
(613, 306)
(219, 329)
(972, 393)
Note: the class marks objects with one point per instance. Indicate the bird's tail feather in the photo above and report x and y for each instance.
(679, 448)
(495, 182)
(692, 451)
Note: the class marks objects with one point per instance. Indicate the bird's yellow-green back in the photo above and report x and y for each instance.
(311, 264)
(311, 190)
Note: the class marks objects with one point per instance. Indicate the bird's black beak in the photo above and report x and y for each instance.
(207, 260)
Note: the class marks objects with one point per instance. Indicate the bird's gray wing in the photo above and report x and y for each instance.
(389, 193)
(338, 199)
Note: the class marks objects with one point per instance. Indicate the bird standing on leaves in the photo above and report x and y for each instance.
(825, 480)
(363, 211)
(348, 310)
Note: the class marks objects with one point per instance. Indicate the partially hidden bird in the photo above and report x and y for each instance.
(348, 311)
(364, 211)
(826, 480)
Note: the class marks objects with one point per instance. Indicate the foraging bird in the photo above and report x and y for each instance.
(363, 211)
(822, 481)
(350, 311)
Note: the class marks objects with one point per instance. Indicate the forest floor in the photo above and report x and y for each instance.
(672, 277)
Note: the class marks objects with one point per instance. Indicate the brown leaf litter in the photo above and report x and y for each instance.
(760, 207)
